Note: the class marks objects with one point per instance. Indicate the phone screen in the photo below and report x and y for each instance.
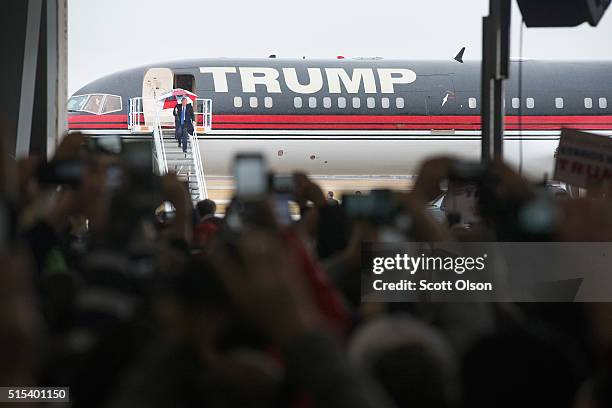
(358, 206)
(138, 156)
(462, 201)
(281, 209)
(61, 172)
(377, 206)
(283, 184)
(250, 175)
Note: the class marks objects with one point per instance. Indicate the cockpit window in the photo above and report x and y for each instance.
(94, 103)
(76, 103)
(98, 104)
(112, 104)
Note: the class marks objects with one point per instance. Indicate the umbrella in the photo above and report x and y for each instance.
(171, 97)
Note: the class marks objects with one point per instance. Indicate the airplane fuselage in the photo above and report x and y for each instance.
(364, 116)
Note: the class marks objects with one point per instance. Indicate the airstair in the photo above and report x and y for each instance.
(168, 157)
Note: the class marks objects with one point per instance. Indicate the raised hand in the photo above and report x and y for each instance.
(266, 285)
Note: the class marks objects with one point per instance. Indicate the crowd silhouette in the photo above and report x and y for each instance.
(135, 303)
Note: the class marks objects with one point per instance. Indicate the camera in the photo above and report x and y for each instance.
(379, 206)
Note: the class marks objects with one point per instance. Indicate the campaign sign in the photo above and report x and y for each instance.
(583, 159)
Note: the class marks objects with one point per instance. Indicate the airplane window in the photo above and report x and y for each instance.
(472, 103)
(253, 101)
(297, 102)
(516, 103)
(112, 104)
(399, 103)
(327, 102)
(371, 103)
(342, 102)
(384, 102)
(76, 103)
(312, 102)
(93, 104)
(530, 102)
(268, 102)
(356, 103)
(603, 103)
(559, 103)
(588, 103)
(237, 102)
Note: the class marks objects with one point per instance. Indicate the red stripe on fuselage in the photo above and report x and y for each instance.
(98, 126)
(365, 122)
(399, 126)
(394, 119)
(96, 118)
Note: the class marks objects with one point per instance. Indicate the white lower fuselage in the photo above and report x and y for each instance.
(370, 153)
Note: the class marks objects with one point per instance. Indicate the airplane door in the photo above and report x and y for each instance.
(156, 82)
(441, 98)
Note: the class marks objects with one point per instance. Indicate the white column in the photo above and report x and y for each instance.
(28, 78)
(57, 73)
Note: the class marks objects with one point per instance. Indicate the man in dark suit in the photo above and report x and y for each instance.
(183, 122)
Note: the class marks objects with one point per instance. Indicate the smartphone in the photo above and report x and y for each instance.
(384, 204)
(377, 206)
(283, 184)
(138, 156)
(462, 202)
(464, 184)
(250, 177)
(282, 212)
(138, 160)
(358, 206)
(110, 144)
(61, 172)
(467, 171)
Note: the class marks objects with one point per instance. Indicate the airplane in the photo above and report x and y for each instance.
(356, 117)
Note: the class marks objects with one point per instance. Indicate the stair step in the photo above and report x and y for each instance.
(181, 163)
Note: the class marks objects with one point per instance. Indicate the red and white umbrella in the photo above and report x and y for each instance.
(172, 97)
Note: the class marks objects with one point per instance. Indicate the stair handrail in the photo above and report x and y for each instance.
(198, 165)
(206, 113)
(160, 149)
(135, 110)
